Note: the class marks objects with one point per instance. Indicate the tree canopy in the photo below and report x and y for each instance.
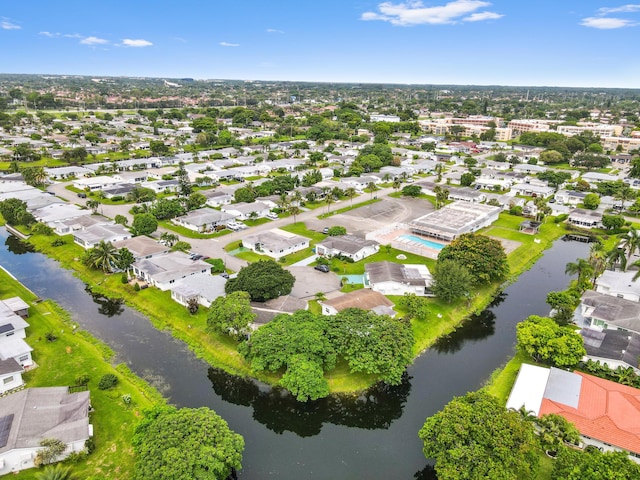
(546, 341)
(451, 280)
(482, 256)
(185, 444)
(231, 315)
(474, 437)
(263, 281)
(594, 465)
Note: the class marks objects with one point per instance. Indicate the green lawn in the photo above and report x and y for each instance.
(185, 232)
(348, 208)
(385, 254)
(76, 352)
(299, 228)
(257, 221)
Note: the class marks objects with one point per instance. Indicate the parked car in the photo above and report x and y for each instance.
(224, 275)
(322, 268)
(272, 215)
(82, 195)
(325, 230)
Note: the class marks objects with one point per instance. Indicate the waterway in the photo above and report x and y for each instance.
(373, 435)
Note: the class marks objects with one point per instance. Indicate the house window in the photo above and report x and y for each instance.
(9, 334)
(23, 358)
(7, 380)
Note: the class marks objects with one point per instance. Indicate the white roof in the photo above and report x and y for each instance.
(529, 388)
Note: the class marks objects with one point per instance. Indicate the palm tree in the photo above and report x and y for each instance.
(294, 210)
(329, 199)
(597, 260)
(631, 242)
(581, 267)
(441, 195)
(372, 188)
(169, 238)
(350, 193)
(296, 198)
(56, 472)
(625, 194)
(617, 257)
(103, 256)
(397, 184)
(93, 205)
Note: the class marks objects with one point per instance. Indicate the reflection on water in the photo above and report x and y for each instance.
(427, 473)
(107, 306)
(17, 246)
(477, 327)
(279, 411)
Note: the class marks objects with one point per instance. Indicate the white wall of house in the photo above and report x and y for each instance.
(22, 458)
(364, 252)
(265, 250)
(396, 288)
(9, 381)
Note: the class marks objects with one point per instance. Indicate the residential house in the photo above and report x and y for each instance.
(102, 232)
(613, 348)
(364, 299)
(585, 218)
(275, 243)
(29, 416)
(597, 177)
(12, 335)
(466, 194)
(217, 198)
(142, 247)
(204, 288)
(348, 245)
(163, 271)
(600, 311)
(55, 213)
(604, 412)
(569, 197)
(64, 173)
(619, 284)
(119, 190)
(95, 183)
(532, 190)
(162, 186)
(390, 278)
(203, 219)
(79, 223)
(246, 211)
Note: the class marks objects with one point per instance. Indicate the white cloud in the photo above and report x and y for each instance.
(49, 34)
(274, 30)
(7, 25)
(413, 12)
(227, 44)
(72, 35)
(481, 16)
(629, 8)
(606, 23)
(128, 42)
(93, 41)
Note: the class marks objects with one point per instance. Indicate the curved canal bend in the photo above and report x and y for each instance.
(372, 436)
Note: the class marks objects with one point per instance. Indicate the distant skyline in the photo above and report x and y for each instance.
(566, 43)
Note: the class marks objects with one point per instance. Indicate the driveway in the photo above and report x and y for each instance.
(310, 281)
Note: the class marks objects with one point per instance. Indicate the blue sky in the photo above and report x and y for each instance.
(582, 43)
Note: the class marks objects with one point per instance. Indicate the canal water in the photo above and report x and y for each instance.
(373, 435)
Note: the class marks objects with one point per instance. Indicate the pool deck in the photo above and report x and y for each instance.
(394, 239)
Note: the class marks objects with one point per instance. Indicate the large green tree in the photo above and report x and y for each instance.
(451, 281)
(14, 212)
(474, 437)
(373, 344)
(594, 465)
(546, 341)
(263, 281)
(231, 315)
(484, 257)
(185, 444)
(144, 224)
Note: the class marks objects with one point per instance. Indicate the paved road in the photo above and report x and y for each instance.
(357, 221)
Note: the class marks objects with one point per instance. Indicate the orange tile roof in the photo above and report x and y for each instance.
(607, 411)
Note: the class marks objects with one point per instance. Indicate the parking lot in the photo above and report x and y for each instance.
(376, 215)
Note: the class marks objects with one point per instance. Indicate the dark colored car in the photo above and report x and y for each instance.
(82, 195)
(322, 268)
(325, 230)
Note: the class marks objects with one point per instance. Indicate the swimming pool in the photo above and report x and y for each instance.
(423, 241)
